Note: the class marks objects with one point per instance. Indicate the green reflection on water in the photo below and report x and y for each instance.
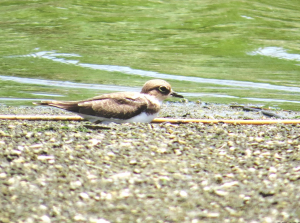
(208, 39)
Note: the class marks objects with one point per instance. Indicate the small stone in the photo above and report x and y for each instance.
(45, 157)
(111, 154)
(106, 196)
(94, 142)
(184, 100)
(213, 215)
(230, 184)
(251, 170)
(183, 194)
(15, 152)
(137, 171)
(45, 219)
(28, 220)
(231, 211)
(125, 193)
(272, 177)
(272, 169)
(11, 126)
(84, 196)
(123, 175)
(79, 217)
(132, 162)
(75, 184)
(3, 175)
(221, 193)
(36, 146)
(268, 220)
(43, 207)
(95, 220)
(296, 169)
(218, 178)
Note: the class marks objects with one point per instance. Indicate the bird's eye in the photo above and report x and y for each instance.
(163, 89)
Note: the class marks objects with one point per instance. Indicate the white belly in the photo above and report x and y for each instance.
(143, 117)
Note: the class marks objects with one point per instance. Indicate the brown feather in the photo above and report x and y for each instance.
(108, 106)
(67, 105)
(122, 105)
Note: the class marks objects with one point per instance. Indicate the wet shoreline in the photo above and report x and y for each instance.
(68, 172)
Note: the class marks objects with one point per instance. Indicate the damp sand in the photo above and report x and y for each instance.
(67, 171)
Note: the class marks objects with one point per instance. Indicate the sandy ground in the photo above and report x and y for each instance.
(75, 172)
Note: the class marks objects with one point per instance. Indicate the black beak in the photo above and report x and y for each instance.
(174, 94)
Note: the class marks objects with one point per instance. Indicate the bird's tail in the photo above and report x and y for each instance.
(67, 105)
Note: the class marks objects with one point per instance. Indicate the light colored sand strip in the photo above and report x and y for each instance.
(157, 120)
(235, 122)
(41, 117)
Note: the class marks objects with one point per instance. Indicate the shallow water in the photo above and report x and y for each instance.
(271, 51)
(209, 51)
(68, 84)
(276, 52)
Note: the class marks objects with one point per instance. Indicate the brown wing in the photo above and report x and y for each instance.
(114, 106)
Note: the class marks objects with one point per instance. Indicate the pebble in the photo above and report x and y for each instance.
(149, 172)
(46, 219)
(84, 196)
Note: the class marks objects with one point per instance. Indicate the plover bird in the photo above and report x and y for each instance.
(121, 107)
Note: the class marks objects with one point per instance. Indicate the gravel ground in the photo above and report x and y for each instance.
(78, 172)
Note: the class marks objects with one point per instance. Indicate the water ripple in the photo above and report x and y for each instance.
(68, 84)
(61, 58)
(276, 52)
